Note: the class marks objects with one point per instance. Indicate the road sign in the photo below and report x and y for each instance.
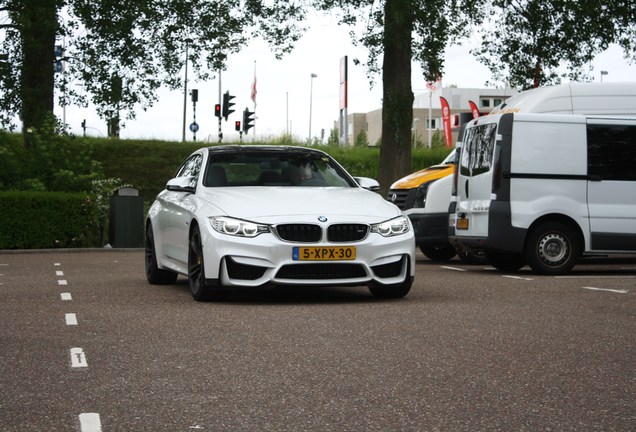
(194, 127)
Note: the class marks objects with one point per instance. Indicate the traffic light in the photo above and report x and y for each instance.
(248, 120)
(217, 110)
(227, 104)
(237, 125)
(58, 52)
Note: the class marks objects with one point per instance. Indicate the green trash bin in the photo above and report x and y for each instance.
(126, 228)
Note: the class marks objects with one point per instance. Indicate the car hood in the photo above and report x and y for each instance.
(261, 204)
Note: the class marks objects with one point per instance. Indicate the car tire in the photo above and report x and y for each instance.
(393, 291)
(507, 262)
(154, 274)
(196, 268)
(438, 253)
(552, 249)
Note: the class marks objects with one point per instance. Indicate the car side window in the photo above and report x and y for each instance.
(191, 168)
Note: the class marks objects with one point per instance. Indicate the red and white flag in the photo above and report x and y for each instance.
(253, 94)
(434, 85)
(474, 109)
(446, 120)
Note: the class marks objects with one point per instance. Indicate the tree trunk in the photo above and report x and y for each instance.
(397, 105)
(38, 25)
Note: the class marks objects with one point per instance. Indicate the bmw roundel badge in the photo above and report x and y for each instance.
(322, 218)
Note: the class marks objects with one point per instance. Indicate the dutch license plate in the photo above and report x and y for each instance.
(327, 253)
(462, 223)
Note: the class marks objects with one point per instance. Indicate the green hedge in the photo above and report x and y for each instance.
(35, 220)
(148, 165)
(55, 178)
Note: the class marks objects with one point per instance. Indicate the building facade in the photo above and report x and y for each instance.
(427, 113)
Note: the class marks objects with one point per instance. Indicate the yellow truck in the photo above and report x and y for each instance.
(424, 197)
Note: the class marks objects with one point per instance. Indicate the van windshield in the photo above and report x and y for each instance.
(478, 147)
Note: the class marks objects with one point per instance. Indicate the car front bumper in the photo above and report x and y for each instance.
(266, 259)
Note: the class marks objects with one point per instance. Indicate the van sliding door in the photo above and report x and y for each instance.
(611, 193)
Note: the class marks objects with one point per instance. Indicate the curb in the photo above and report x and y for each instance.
(67, 250)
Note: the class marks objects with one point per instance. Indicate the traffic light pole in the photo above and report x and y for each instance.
(220, 102)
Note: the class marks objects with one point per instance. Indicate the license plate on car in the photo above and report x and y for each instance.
(462, 223)
(326, 253)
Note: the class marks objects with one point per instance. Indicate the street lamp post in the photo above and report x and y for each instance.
(603, 73)
(311, 92)
(185, 90)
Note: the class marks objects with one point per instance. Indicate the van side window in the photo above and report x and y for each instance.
(478, 147)
(611, 151)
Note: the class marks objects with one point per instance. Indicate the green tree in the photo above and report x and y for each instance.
(27, 73)
(123, 51)
(399, 32)
(538, 42)
(361, 139)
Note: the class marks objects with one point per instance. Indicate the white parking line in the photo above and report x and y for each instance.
(517, 277)
(66, 296)
(606, 289)
(90, 422)
(596, 277)
(71, 319)
(453, 268)
(78, 358)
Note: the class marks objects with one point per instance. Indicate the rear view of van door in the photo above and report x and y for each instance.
(474, 181)
(611, 146)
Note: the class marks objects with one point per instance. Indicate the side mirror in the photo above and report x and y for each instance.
(181, 184)
(368, 183)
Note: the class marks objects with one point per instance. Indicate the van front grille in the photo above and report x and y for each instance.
(403, 198)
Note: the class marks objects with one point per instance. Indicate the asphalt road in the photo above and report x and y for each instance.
(87, 345)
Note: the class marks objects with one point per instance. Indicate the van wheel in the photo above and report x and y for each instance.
(552, 249)
(438, 253)
(507, 262)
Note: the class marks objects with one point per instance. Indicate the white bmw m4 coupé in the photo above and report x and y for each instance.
(258, 216)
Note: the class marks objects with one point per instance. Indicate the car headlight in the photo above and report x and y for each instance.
(237, 227)
(392, 227)
(420, 194)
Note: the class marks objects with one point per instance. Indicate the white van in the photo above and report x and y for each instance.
(544, 189)
(574, 98)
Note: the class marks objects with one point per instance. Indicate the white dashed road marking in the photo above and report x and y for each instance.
(595, 277)
(606, 289)
(453, 268)
(78, 358)
(59, 273)
(62, 282)
(66, 296)
(517, 277)
(71, 319)
(90, 422)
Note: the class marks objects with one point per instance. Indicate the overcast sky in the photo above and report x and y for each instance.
(284, 88)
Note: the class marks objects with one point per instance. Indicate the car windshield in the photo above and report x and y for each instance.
(274, 168)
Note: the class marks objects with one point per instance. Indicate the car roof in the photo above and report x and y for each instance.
(235, 148)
